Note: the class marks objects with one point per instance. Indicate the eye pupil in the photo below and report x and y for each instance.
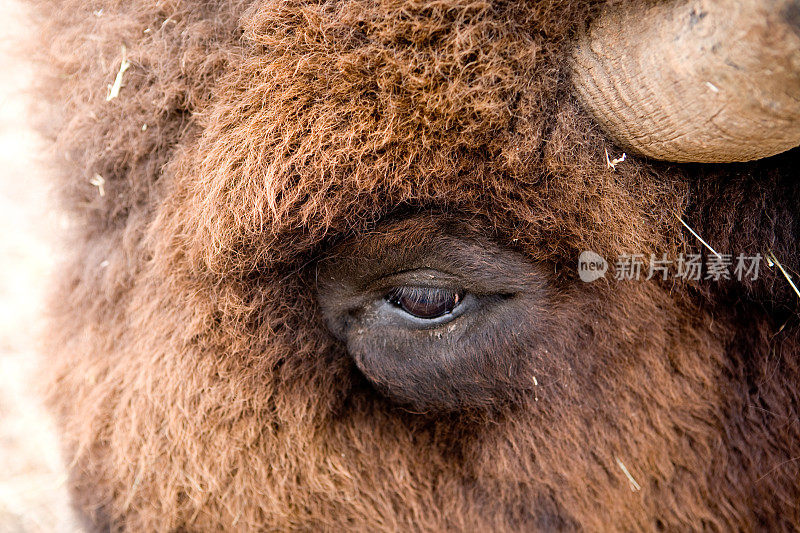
(424, 302)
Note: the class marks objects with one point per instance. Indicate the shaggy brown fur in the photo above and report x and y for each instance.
(195, 382)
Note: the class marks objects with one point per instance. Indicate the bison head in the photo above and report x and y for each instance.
(339, 287)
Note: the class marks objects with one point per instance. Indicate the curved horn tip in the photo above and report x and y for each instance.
(709, 81)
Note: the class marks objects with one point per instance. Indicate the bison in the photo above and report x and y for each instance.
(323, 266)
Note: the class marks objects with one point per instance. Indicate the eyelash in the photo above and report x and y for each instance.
(426, 303)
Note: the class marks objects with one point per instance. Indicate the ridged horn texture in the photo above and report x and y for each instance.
(708, 81)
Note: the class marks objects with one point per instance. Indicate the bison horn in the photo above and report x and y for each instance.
(708, 81)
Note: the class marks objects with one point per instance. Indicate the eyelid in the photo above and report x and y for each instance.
(418, 277)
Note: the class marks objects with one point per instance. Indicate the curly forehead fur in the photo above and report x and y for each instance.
(194, 379)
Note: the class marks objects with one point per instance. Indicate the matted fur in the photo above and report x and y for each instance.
(194, 380)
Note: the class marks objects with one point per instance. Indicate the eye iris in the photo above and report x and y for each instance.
(424, 302)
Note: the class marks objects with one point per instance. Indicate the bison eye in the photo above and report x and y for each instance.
(437, 317)
(425, 302)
